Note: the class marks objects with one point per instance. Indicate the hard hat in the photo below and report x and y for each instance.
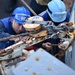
(21, 14)
(57, 10)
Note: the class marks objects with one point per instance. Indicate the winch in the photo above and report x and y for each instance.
(36, 30)
(37, 24)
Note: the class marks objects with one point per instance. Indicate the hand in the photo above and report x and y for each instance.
(62, 23)
(16, 39)
(47, 46)
(67, 23)
(27, 38)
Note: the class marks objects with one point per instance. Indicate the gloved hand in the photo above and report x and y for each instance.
(16, 39)
(47, 46)
(27, 38)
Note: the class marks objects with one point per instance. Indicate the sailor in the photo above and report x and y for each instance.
(13, 25)
(56, 12)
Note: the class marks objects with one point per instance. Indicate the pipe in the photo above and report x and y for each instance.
(23, 1)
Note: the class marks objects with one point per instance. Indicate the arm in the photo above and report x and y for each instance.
(3, 34)
(2, 31)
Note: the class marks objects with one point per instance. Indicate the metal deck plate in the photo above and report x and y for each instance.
(42, 63)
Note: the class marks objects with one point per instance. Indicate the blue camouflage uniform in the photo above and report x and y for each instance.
(5, 31)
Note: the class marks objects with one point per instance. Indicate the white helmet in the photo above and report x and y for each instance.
(57, 10)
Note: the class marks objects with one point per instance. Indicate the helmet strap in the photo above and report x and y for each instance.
(49, 10)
